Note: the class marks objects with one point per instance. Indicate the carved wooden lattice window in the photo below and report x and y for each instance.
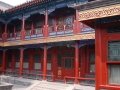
(26, 57)
(69, 22)
(92, 62)
(9, 60)
(60, 24)
(68, 63)
(114, 51)
(114, 74)
(37, 58)
(51, 25)
(114, 56)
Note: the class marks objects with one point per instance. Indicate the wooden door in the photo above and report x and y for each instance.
(68, 67)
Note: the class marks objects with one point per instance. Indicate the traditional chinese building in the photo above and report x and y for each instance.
(63, 40)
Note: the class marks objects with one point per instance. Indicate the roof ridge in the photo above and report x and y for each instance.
(23, 5)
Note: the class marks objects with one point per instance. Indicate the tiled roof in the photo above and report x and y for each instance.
(26, 5)
(4, 6)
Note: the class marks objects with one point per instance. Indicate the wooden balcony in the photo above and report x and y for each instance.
(47, 34)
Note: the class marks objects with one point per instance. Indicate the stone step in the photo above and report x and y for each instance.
(43, 85)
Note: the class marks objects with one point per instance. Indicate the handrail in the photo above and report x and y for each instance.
(78, 78)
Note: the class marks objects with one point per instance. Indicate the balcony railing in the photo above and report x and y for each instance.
(61, 30)
(53, 31)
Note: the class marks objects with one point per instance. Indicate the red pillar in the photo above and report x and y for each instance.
(46, 24)
(76, 61)
(32, 28)
(14, 31)
(45, 62)
(21, 61)
(13, 61)
(23, 28)
(87, 59)
(76, 23)
(31, 62)
(54, 62)
(100, 57)
(5, 33)
(4, 61)
(82, 74)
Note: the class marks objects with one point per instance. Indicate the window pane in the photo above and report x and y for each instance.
(114, 51)
(114, 74)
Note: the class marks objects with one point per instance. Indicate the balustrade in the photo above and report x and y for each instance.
(60, 30)
(53, 31)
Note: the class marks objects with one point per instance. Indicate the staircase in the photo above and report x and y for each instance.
(44, 85)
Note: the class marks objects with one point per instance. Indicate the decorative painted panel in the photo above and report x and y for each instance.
(37, 66)
(48, 66)
(69, 22)
(37, 58)
(25, 65)
(86, 29)
(107, 11)
(114, 74)
(17, 64)
(60, 23)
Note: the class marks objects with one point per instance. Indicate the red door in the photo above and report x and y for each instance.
(67, 67)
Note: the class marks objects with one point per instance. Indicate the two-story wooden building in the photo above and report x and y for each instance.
(63, 40)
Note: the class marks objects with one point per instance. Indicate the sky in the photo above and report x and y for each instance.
(14, 2)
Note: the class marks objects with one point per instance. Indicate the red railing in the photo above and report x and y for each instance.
(52, 31)
(78, 78)
(23, 35)
(60, 30)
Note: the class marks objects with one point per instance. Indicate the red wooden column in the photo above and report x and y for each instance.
(5, 33)
(83, 62)
(76, 61)
(13, 61)
(87, 59)
(31, 62)
(76, 23)
(32, 28)
(46, 23)
(54, 62)
(14, 31)
(4, 61)
(45, 62)
(21, 61)
(23, 28)
(101, 57)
